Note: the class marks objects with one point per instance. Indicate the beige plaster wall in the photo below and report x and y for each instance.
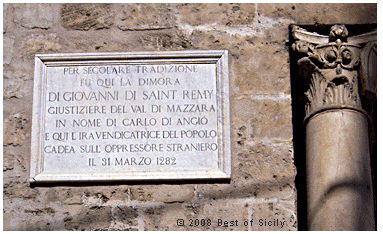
(263, 171)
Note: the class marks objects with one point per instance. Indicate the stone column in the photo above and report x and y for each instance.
(339, 185)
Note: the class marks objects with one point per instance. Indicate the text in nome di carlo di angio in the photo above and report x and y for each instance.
(152, 119)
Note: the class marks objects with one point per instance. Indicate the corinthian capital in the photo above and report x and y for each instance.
(335, 67)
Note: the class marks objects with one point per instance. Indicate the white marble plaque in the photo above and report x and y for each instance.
(131, 116)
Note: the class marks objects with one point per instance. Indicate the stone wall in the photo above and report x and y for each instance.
(262, 187)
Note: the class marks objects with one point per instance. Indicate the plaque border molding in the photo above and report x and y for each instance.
(42, 61)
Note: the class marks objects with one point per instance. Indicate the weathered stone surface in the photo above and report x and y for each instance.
(266, 115)
(223, 14)
(170, 194)
(8, 49)
(225, 215)
(86, 16)
(259, 170)
(252, 74)
(273, 216)
(124, 218)
(166, 41)
(266, 163)
(16, 86)
(8, 162)
(224, 191)
(94, 200)
(209, 215)
(14, 129)
(5, 18)
(40, 43)
(166, 193)
(165, 217)
(16, 189)
(136, 17)
(34, 16)
(306, 13)
(97, 219)
(216, 39)
(260, 76)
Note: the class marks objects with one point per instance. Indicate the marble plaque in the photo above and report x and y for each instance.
(131, 116)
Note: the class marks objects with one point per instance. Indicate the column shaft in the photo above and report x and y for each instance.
(339, 171)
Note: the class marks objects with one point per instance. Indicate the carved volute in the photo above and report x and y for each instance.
(337, 68)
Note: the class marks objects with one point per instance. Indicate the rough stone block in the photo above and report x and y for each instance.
(137, 17)
(211, 39)
(16, 85)
(94, 200)
(268, 168)
(172, 194)
(86, 16)
(256, 65)
(260, 170)
(221, 191)
(90, 219)
(273, 216)
(307, 13)
(124, 218)
(224, 214)
(256, 73)
(14, 129)
(34, 16)
(8, 49)
(268, 116)
(5, 18)
(223, 14)
(165, 217)
(165, 40)
(163, 193)
(266, 162)
(278, 10)
(40, 43)
(8, 162)
(120, 193)
(206, 215)
(14, 187)
(9, 223)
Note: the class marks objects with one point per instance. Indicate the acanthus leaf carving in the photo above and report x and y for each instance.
(316, 92)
